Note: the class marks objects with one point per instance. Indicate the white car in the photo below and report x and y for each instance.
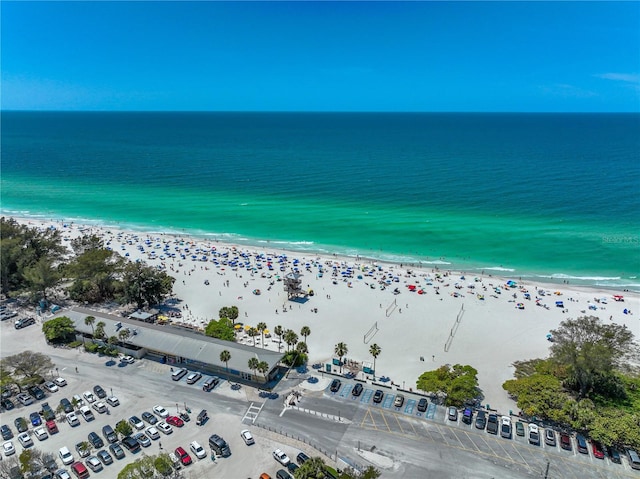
(128, 359)
(100, 407)
(164, 427)
(281, 457)
(77, 401)
(62, 474)
(160, 411)
(72, 419)
(8, 448)
(61, 382)
(51, 386)
(152, 432)
(136, 422)
(25, 439)
(89, 396)
(113, 401)
(198, 450)
(40, 433)
(65, 456)
(247, 437)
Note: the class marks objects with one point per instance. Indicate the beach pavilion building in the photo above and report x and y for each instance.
(181, 348)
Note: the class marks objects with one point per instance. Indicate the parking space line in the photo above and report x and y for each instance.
(472, 441)
(368, 413)
(346, 389)
(456, 436)
(444, 438)
(487, 444)
(385, 421)
(521, 456)
(399, 425)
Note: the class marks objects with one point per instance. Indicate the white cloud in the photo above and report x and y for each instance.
(625, 77)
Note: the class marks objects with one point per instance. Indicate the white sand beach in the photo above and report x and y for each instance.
(447, 318)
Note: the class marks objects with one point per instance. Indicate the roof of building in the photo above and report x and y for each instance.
(175, 341)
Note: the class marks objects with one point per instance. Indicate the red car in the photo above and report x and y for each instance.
(175, 421)
(598, 452)
(184, 456)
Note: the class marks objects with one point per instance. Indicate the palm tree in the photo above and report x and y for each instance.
(291, 338)
(313, 468)
(124, 334)
(278, 332)
(301, 348)
(225, 357)
(261, 327)
(99, 331)
(262, 368)
(304, 332)
(375, 351)
(253, 364)
(341, 351)
(253, 332)
(88, 321)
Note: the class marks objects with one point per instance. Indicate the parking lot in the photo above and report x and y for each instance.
(433, 425)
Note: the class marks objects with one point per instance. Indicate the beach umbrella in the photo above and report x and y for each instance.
(238, 326)
(247, 327)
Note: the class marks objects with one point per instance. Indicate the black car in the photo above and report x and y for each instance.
(95, 440)
(6, 432)
(422, 404)
(481, 419)
(283, 474)
(66, 405)
(492, 424)
(47, 412)
(335, 385)
(7, 404)
(117, 451)
(614, 455)
(104, 457)
(377, 396)
(49, 462)
(150, 418)
(21, 424)
(101, 393)
(357, 389)
(302, 458)
(131, 443)
(37, 393)
(292, 466)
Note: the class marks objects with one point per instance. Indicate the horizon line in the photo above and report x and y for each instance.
(2, 110)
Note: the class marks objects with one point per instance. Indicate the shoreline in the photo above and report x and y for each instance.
(628, 285)
(476, 320)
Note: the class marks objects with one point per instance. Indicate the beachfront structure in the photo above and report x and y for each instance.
(293, 285)
(181, 348)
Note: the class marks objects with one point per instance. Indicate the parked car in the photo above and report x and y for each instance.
(136, 422)
(35, 419)
(184, 456)
(335, 385)
(399, 401)
(60, 382)
(80, 470)
(534, 434)
(6, 432)
(25, 439)
(467, 415)
(160, 411)
(50, 386)
(51, 426)
(247, 437)
(219, 446)
(142, 439)
(98, 391)
(24, 399)
(198, 450)
(164, 428)
(582, 444)
(117, 450)
(550, 437)
(614, 455)
(21, 424)
(175, 421)
(519, 428)
(40, 433)
(7, 404)
(302, 458)
(492, 424)
(281, 457)
(37, 393)
(72, 419)
(152, 433)
(87, 414)
(282, 474)
(210, 383)
(193, 378)
(62, 474)
(66, 405)
(452, 413)
(65, 456)
(377, 396)
(89, 396)
(77, 401)
(150, 418)
(113, 401)
(481, 420)
(82, 448)
(597, 449)
(100, 407)
(109, 434)
(565, 441)
(357, 389)
(47, 412)
(24, 322)
(95, 440)
(505, 427)
(104, 457)
(94, 464)
(422, 404)
(8, 448)
(131, 444)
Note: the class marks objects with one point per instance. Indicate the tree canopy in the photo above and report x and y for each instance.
(458, 384)
(58, 329)
(221, 329)
(145, 285)
(26, 368)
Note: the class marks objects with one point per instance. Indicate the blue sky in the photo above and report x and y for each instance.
(325, 56)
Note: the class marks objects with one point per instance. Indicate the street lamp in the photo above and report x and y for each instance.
(57, 373)
(111, 389)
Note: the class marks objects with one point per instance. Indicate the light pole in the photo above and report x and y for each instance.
(57, 373)
(111, 389)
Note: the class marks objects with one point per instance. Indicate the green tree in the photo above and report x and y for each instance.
(123, 335)
(304, 332)
(225, 357)
(590, 349)
(375, 351)
(124, 428)
(145, 285)
(263, 368)
(229, 312)
(312, 468)
(41, 277)
(301, 348)
(162, 464)
(458, 383)
(341, 350)
(539, 395)
(253, 364)
(291, 338)
(90, 321)
(59, 329)
(278, 332)
(369, 472)
(28, 367)
(221, 329)
(253, 332)
(261, 327)
(99, 333)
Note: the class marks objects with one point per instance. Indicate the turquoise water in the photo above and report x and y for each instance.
(532, 195)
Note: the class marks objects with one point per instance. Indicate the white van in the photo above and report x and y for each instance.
(179, 374)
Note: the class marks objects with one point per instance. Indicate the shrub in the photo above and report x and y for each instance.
(91, 347)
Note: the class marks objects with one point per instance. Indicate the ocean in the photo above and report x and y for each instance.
(553, 197)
